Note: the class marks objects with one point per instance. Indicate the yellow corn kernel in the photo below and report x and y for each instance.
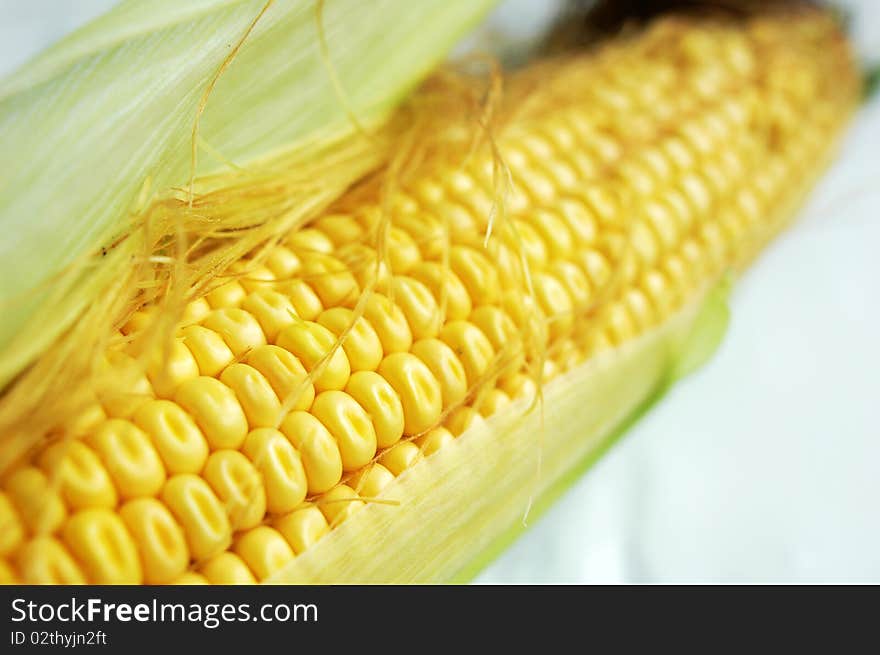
(264, 550)
(302, 527)
(401, 456)
(475, 270)
(493, 401)
(318, 449)
(555, 303)
(191, 578)
(11, 526)
(448, 290)
(427, 231)
(363, 262)
(8, 575)
(554, 232)
(309, 240)
(227, 295)
(139, 321)
(433, 440)
(350, 426)
(253, 277)
(227, 568)
(99, 540)
(303, 298)
(279, 463)
(403, 253)
(596, 267)
(463, 419)
(370, 481)
(273, 311)
(215, 409)
(255, 395)
(285, 374)
(382, 404)
(208, 348)
(78, 474)
(175, 435)
(195, 311)
(389, 322)
(238, 328)
(418, 306)
(519, 385)
(311, 343)
(419, 391)
(659, 216)
(523, 237)
(446, 367)
(200, 514)
(575, 282)
(471, 346)
(160, 540)
(362, 346)
(37, 500)
(339, 228)
(644, 244)
(283, 263)
(239, 487)
(497, 326)
(45, 560)
(330, 279)
(339, 503)
(170, 366)
(130, 458)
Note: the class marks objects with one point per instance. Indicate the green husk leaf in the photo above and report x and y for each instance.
(872, 81)
(104, 119)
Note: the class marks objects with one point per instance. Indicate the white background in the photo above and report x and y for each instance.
(763, 466)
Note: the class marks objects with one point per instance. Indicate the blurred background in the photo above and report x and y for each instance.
(764, 466)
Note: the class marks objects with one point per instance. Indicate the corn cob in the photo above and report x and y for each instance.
(304, 404)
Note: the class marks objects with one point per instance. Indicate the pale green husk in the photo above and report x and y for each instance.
(108, 113)
(464, 504)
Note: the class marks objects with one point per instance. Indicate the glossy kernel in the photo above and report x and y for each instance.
(350, 426)
(99, 540)
(389, 322)
(264, 550)
(215, 409)
(238, 328)
(302, 527)
(160, 540)
(312, 343)
(227, 568)
(130, 458)
(285, 374)
(382, 404)
(362, 346)
(79, 475)
(419, 391)
(175, 435)
(255, 395)
(318, 449)
(200, 514)
(37, 500)
(446, 367)
(281, 467)
(471, 346)
(238, 486)
(45, 560)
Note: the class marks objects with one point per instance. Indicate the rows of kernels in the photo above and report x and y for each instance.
(254, 431)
